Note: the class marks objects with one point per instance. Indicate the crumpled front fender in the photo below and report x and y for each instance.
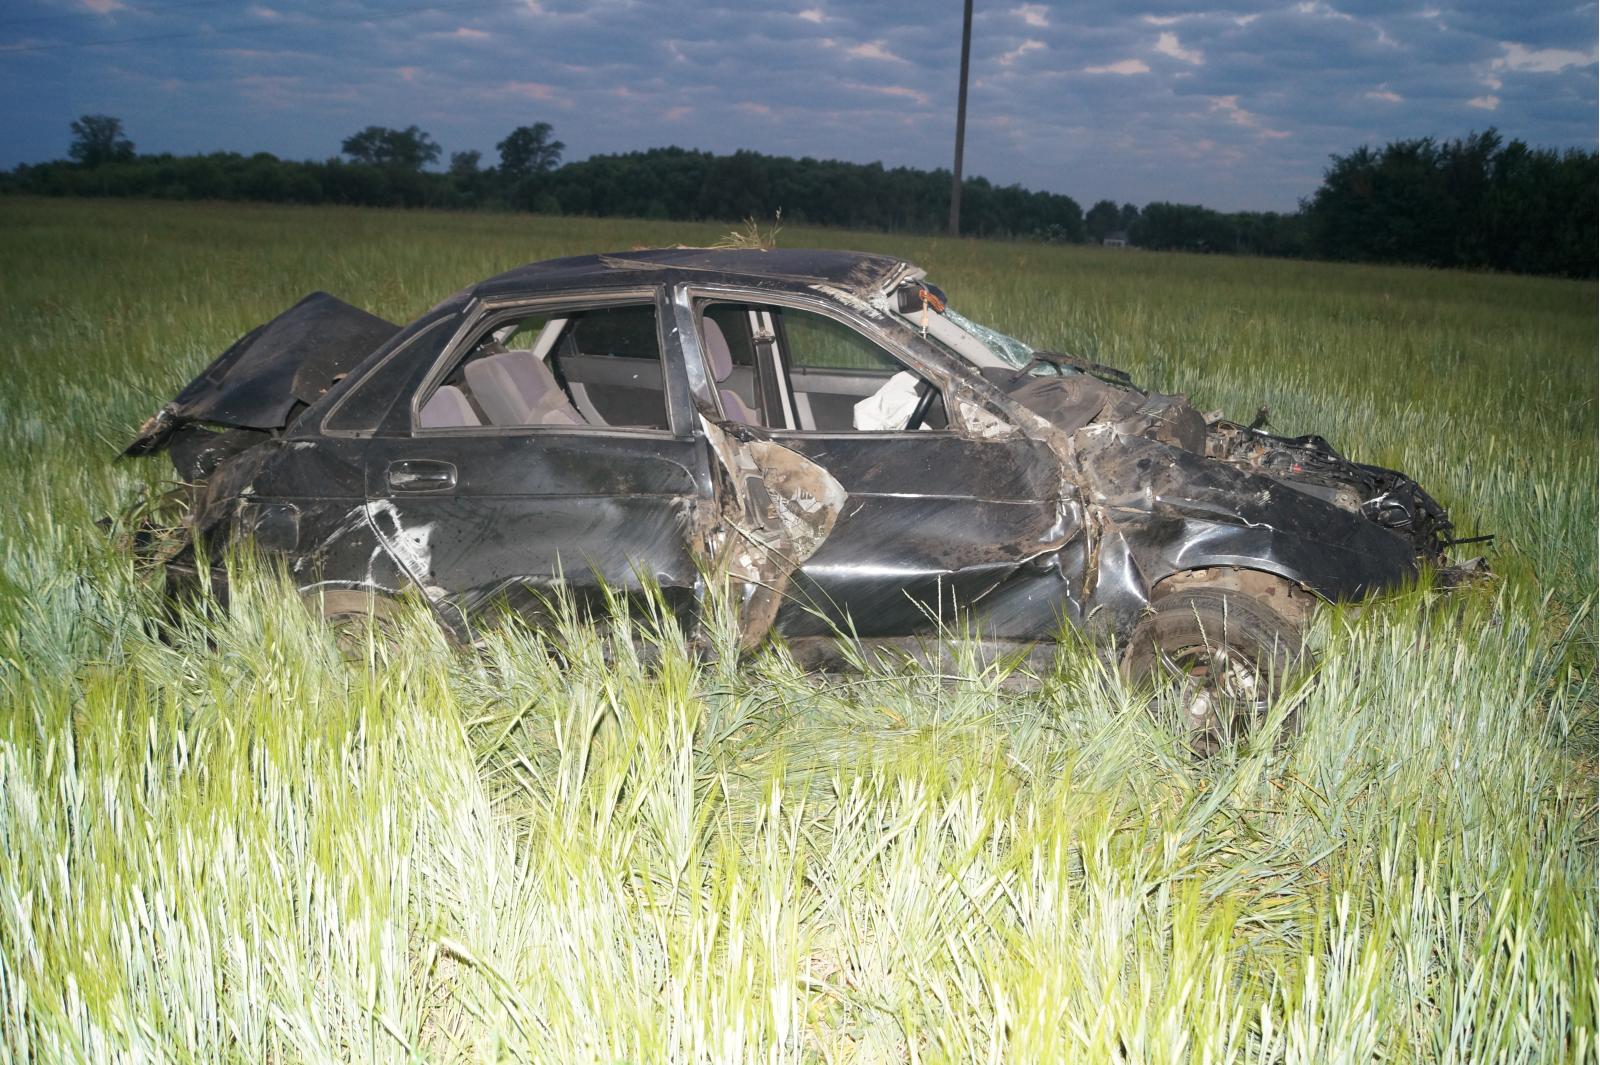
(1180, 511)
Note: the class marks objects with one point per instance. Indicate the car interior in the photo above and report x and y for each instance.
(777, 367)
(785, 368)
(599, 367)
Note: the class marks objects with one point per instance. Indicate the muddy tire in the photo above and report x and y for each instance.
(358, 620)
(1228, 652)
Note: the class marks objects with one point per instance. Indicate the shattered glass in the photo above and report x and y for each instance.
(1008, 348)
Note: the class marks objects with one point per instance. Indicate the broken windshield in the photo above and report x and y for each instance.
(1008, 348)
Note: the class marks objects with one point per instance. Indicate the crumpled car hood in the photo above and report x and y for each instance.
(257, 382)
(1075, 400)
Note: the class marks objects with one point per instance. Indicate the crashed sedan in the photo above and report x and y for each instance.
(816, 430)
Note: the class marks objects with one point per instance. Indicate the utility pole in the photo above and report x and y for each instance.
(961, 120)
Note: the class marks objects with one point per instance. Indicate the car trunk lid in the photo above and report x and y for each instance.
(260, 380)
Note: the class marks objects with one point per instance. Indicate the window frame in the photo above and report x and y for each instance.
(697, 296)
(488, 315)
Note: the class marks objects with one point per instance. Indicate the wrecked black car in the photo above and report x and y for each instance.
(817, 429)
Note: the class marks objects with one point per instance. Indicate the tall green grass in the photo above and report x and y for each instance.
(232, 844)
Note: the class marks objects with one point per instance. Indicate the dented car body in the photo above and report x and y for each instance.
(816, 428)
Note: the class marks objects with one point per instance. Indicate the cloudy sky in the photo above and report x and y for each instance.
(1235, 106)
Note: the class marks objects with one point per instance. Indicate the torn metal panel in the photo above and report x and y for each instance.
(293, 359)
(779, 508)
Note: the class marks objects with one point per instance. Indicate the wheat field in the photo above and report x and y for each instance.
(222, 840)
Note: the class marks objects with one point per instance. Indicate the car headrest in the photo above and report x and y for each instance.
(717, 352)
(447, 409)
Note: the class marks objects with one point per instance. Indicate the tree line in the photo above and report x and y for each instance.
(1476, 202)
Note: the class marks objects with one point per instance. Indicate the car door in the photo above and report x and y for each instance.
(552, 443)
(934, 520)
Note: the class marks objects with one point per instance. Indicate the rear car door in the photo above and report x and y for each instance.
(551, 443)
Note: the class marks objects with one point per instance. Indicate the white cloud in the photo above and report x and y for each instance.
(1540, 60)
(873, 50)
(103, 7)
(1323, 10)
(902, 91)
(1385, 95)
(1121, 66)
(529, 90)
(1229, 107)
(1521, 59)
(813, 14)
(466, 33)
(1167, 44)
(1036, 15)
(1030, 45)
(1173, 20)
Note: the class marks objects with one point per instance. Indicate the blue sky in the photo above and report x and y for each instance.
(1234, 106)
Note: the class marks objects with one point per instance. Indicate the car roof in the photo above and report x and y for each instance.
(860, 272)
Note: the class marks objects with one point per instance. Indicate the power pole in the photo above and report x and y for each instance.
(961, 120)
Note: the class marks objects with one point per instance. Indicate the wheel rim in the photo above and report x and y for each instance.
(1218, 686)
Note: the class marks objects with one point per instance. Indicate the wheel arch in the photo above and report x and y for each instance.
(1291, 597)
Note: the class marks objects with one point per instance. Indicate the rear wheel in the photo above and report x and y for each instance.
(1227, 650)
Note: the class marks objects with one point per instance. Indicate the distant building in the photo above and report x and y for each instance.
(1119, 239)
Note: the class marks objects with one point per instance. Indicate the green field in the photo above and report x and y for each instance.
(233, 844)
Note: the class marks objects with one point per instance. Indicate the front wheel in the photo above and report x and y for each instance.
(358, 619)
(1227, 651)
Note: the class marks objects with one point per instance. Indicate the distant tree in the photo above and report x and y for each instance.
(401, 149)
(1475, 202)
(528, 150)
(1185, 227)
(1102, 220)
(98, 139)
(1478, 202)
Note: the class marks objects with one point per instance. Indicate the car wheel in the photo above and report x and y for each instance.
(358, 619)
(1227, 652)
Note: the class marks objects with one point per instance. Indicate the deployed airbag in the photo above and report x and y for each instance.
(890, 407)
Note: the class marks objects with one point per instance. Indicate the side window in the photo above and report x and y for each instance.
(842, 380)
(595, 366)
(814, 342)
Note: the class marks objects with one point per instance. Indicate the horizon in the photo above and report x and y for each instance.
(1236, 109)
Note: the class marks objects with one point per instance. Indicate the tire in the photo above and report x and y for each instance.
(1229, 652)
(357, 619)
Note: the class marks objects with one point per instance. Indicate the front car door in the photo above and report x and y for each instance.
(936, 520)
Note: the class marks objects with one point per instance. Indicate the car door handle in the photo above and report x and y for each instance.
(421, 475)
